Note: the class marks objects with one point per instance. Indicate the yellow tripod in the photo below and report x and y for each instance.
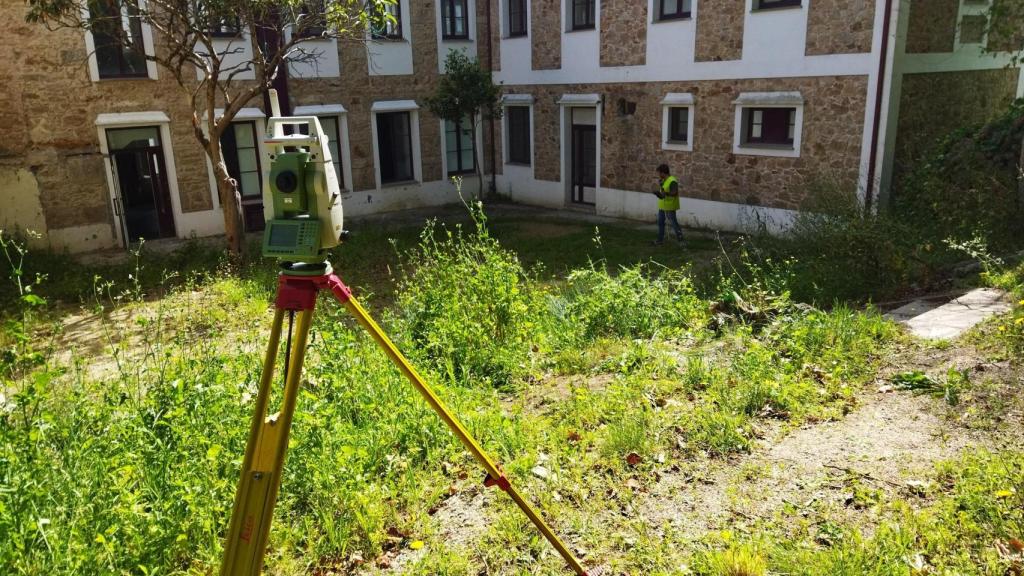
(268, 435)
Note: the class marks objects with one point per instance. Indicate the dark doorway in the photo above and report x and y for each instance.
(142, 197)
(584, 164)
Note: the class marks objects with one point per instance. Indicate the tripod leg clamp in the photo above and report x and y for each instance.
(342, 292)
(501, 482)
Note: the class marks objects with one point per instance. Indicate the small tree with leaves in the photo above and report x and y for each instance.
(186, 34)
(1005, 33)
(465, 93)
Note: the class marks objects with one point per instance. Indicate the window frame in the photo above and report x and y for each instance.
(233, 24)
(747, 103)
(753, 113)
(380, 148)
(391, 33)
(523, 20)
(682, 14)
(674, 116)
(318, 28)
(512, 157)
(233, 161)
(590, 9)
(460, 134)
(759, 5)
(670, 103)
(336, 159)
(94, 48)
(448, 19)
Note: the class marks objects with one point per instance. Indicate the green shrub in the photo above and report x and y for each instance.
(635, 303)
(468, 306)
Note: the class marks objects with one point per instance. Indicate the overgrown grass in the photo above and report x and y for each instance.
(579, 387)
(972, 526)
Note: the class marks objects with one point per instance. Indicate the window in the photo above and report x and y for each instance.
(518, 118)
(389, 26)
(394, 144)
(769, 4)
(242, 157)
(311, 21)
(516, 18)
(454, 24)
(679, 125)
(583, 14)
(458, 141)
(769, 126)
(117, 34)
(229, 27)
(673, 9)
(332, 129)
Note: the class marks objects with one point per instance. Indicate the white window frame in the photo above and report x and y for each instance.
(968, 8)
(147, 45)
(478, 137)
(520, 100)
(567, 15)
(768, 100)
(245, 114)
(677, 100)
(160, 119)
(754, 7)
(386, 106)
(337, 111)
(655, 7)
(506, 24)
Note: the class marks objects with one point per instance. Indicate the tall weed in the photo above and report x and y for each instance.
(467, 305)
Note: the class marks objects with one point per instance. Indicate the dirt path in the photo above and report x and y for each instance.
(887, 446)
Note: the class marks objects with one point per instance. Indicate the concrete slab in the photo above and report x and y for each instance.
(952, 319)
(912, 310)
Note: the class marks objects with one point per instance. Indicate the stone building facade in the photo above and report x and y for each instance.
(709, 87)
(754, 103)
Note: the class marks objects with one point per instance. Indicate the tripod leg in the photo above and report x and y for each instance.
(264, 455)
(495, 475)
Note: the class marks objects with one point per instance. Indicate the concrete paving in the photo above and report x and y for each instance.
(935, 321)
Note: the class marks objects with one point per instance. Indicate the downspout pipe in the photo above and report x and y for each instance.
(869, 192)
(490, 69)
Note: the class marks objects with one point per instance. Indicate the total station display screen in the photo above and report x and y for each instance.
(283, 235)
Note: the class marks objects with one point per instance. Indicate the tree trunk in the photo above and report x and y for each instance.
(476, 164)
(1020, 178)
(230, 200)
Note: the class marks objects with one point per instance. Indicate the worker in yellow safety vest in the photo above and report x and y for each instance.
(668, 204)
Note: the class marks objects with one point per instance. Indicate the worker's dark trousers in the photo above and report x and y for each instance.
(671, 215)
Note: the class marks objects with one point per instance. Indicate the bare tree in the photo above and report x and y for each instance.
(270, 35)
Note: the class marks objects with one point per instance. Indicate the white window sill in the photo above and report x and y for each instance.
(780, 151)
(400, 184)
(676, 145)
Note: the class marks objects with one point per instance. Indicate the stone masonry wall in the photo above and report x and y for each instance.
(546, 34)
(720, 30)
(934, 104)
(840, 26)
(931, 27)
(623, 33)
(494, 39)
(55, 135)
(631, 145)
(49, 125)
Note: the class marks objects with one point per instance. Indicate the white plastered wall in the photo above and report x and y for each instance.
(392, 57)
(467, 46)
